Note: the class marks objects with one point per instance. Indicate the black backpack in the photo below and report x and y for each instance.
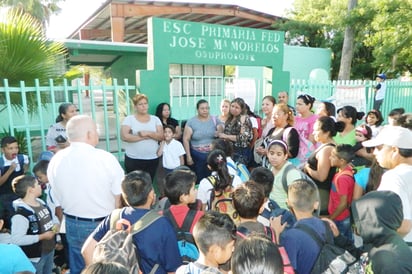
(185, 241)
(331, 258)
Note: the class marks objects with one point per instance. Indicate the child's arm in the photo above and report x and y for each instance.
(7, 174)
(343, 204)
(182, 160)
(19, 236)
(160, 149)
(59, 213)
(357, 192)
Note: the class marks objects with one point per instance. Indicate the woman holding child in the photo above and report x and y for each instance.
(141, 133)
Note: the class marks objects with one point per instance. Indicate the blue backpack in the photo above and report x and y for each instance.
(185, 241)
(20, 159)
(241, 171)
(275, 210)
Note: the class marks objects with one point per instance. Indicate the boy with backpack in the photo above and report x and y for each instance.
(180, 190)
(152, 235)
(215, 236)
(33, 227)
(303, 251)
(248, 200)
(12, 164)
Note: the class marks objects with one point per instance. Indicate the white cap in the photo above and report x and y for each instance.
(395, 136)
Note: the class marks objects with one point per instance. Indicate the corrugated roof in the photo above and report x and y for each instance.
(99, 25)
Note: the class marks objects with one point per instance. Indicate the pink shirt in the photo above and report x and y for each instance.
(304, 126)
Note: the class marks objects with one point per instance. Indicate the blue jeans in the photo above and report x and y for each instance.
(200, 164)
(345, 228)
(76, 234)
(46, 264)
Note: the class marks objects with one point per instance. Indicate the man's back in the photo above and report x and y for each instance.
(156, 243)
(398, 181)
(85, 180)
(301, 248)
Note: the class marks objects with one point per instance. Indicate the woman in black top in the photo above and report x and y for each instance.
(165, 115)
(318, 166)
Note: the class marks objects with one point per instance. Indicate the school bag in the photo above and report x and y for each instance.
(243, 232)
(164, 204)
(288, 168)
(117, 245)
(20, 159)
(185, 241)
(221, 201)
(241, 170)
(331, 259)
(275, 210)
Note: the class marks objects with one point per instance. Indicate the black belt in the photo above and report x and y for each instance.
(84, 219)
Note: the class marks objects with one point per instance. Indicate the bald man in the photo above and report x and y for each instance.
(87, 182)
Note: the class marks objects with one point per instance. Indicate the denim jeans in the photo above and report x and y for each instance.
(345, 228)
(76, 233)
(200, 164)
(46, 264)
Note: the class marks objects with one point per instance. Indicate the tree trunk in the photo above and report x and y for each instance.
(347, 48)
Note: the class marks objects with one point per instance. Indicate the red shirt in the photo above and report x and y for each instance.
(180, 212)
(343, 183)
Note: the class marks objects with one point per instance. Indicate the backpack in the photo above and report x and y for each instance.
(331, 258)
(288, 168)
(185, 241)
(241, 170)
(243, 232)
(117, 245)
(275, 210)
(164, 204)
(221, 201)
(20, 159)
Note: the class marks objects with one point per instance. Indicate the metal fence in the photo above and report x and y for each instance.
(31, 110)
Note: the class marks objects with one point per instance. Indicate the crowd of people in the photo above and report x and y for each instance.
(320, 170)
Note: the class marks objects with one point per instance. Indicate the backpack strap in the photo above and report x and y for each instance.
(285, 134)
(285, 176)
(20, 159)
(270, 233)
(315, 236)
(114, 217)
(188, 221)
(147, 219)
(232, 166)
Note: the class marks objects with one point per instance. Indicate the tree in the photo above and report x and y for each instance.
(348, 47)
(26, 54)
(39, 9)
(381, 29)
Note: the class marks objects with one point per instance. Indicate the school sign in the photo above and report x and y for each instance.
(183, 42)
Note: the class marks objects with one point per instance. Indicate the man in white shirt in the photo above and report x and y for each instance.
(393, 151)
(87, 182)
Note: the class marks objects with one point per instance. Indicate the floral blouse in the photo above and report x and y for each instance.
(242, 130)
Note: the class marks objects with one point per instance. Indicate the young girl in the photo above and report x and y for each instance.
(374, 120)
(278, 158)
(216, 162)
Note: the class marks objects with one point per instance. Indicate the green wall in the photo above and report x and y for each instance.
(125, 67)
(300, 61)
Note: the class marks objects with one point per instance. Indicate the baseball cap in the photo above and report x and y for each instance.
(382, 76)
(395, 136)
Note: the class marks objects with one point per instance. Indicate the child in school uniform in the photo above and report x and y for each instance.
(171, 150)
(33, 226)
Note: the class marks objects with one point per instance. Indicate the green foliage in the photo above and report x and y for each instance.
(26, 55)
(383, 33)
